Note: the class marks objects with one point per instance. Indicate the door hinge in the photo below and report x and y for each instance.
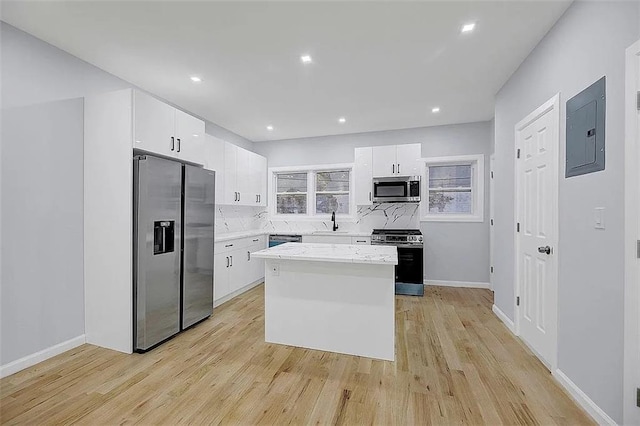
(518, 152)
(638, 100)
(518, 301)
(638, 249)
(518, 227)
(492, 269)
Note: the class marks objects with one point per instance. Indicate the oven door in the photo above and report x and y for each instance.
(409, 271)
(390, 191)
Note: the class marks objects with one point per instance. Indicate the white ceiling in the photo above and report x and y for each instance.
(382, 65)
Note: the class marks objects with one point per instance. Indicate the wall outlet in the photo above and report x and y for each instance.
(598, 218)
(275, 269)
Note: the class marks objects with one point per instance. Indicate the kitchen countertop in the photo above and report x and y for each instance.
(254, 232)
(339, 253)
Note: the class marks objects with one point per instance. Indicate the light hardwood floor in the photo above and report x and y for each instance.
(456, 363)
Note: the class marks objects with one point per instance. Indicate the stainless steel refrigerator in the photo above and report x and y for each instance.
(173, 232)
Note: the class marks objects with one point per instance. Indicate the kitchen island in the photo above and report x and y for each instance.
(331, 297)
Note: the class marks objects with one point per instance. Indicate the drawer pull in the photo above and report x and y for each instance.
(256, 240)
(229, 245)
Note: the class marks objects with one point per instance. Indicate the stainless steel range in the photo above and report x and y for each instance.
(409, 271)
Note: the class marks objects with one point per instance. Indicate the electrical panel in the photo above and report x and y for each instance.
(585, 130)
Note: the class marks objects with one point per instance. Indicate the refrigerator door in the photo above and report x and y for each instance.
(157, 247)
(199, 213)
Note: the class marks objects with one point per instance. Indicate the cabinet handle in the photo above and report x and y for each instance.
(256, 240)
(369, 195)
(398, 163)
(179, 147)
(248, 255)
(227, 261)
(229, 245)
(361, 241)
(238, 196)
(231, 257)
(393, 169)
(173, 143)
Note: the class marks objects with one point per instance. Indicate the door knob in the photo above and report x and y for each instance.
(545, 249)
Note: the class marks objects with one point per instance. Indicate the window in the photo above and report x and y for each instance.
(312, 192)
(454, 189)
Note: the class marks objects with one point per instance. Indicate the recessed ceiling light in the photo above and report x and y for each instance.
(269, 127)
(468, 27)
(196, 79)
(342, 120)
(306, 59)
(435, 109)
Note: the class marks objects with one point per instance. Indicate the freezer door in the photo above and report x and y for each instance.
(199, 213)
(157, 246)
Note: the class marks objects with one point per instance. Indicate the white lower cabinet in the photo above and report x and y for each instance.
(336, 239)
(234, 268)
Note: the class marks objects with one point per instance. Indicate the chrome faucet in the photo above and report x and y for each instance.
(333, 219)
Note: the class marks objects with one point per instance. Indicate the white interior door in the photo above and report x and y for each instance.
(537, 168)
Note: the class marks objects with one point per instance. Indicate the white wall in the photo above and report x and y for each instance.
(587, 42)
(42, 199)
(453, 251)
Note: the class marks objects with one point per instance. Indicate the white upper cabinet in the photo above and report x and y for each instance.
(164, 130)
(407, 157)
(189, 138)
(153, 124)
(396, 160)
(363, 175)
(241, 175)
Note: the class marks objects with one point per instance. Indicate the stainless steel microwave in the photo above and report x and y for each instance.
(396, 189)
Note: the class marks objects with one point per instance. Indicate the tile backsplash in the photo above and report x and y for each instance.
(387, 215)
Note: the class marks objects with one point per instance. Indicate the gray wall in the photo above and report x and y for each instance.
(453, 251)
(41, 174)
(589, 41)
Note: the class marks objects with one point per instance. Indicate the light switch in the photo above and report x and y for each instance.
(598, 218)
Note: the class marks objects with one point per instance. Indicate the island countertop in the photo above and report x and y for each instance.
(339, 253)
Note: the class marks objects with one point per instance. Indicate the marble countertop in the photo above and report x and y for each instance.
(339, 253)
(235, 235)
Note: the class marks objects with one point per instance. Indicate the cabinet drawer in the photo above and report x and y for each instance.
(258, 240)
(227, 246)
(361, 240)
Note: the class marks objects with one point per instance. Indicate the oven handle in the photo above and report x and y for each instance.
(416, 246)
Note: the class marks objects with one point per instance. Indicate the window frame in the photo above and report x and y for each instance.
(312, 172)
(477, 188)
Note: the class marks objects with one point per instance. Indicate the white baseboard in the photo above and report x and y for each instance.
(583, 400)
(504, 318)
(465, 284)
(238, 292)
(33, 359)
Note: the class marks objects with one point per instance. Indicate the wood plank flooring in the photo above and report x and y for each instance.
(456, 364)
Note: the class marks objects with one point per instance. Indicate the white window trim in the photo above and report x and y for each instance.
(477, 188)
(311, 205)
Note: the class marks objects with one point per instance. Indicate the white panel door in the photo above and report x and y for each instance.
(189, 138)
(153, 125)
(407, 157)
(363, 175)
(230, 173)
(220, 275)
(384, 161)
(537, 239)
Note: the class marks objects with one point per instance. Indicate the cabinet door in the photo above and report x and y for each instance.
(245, 178)
(230, 176)
(258, 180)
(407, 157)
(239, 270)
(220, 275)
(384, 161)
(189, 138)
(363, 171)
(153, 125)
(256, 266)
(214, 160)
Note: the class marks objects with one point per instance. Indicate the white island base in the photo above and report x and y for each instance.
(335, 305)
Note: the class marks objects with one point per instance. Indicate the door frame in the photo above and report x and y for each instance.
(551, 106)
(631, 413)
